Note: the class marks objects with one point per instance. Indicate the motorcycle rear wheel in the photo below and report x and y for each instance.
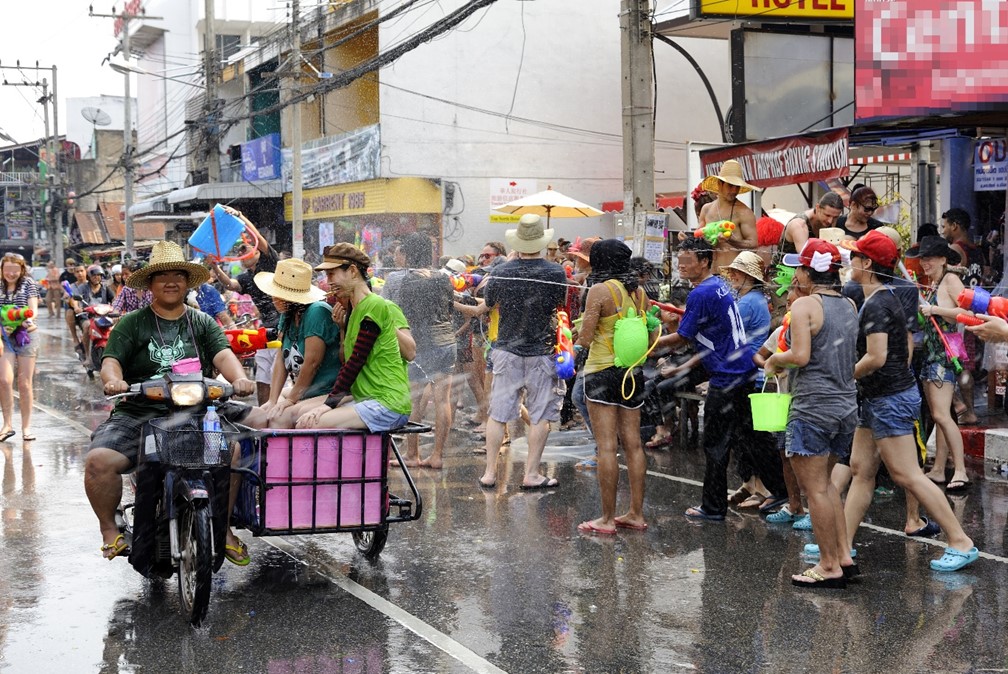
(195, 570)
(370, 543)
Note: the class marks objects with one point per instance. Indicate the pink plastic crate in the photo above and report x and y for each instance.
(360, 456)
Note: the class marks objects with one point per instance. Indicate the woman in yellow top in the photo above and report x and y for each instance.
(614, 289)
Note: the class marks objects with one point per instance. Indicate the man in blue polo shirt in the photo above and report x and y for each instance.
(712, 323)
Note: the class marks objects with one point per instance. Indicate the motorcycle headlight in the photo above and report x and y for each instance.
(187, 393)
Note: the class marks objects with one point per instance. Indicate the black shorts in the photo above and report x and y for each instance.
(123, 433)
(607, 387)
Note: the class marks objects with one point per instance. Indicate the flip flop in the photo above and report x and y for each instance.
(819, 581)
(487, 486)
(116, 547)
(754, 501)
(953, 559)
(546, 483)
(772, 504)
(698, 513)
(739, 495)
(928, 530)
(237, 554)
(6, 436)
(28, 437)
(956, 486)
(623, 524)
(851, 572)
(588, 527)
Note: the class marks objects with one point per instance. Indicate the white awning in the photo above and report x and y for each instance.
(267, 189)
(148, 206)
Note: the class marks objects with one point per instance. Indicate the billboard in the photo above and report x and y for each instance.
(840, 10)
(784, 161)
(919, 57)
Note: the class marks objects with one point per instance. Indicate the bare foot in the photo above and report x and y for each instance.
(431, 462)
(488, 480)
(413, 462)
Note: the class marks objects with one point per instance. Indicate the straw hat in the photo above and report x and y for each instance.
(291, 282)
(168, 256)
(529, 236)
(731, 173)
(749, 263)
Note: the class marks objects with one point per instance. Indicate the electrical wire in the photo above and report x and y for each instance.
(521, 62)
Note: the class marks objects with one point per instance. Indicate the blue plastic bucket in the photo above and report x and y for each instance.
(229, 230)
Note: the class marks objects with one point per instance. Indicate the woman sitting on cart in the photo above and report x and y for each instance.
(372, 389)
(310, 351)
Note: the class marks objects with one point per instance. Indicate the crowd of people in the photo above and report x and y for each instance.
(371, 350)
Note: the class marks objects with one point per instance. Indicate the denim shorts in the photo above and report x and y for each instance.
(938, 373)
(803, 438)
(891, 416)
(378, 417)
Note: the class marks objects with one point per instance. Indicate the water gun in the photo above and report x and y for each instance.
(671, 308)
(564, 346)
(715, 231)
(462, 281)
(979, 301)
(784, 278)
(67, 288)
(949, 353)
(782, 344)
(246, 342)
(13, 317)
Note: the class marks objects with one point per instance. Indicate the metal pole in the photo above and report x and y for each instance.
(297, 228)
(127, 143)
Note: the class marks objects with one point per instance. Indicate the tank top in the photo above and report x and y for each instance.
(786, 246)
(934, 347)
(602, 353)
(823, 390)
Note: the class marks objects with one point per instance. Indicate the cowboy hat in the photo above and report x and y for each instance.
(168, 256)
(291, 282)
(731, 173)
(529, 237)
(749, 263)
(934, 246)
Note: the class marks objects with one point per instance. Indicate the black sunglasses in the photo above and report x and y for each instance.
(869, 209)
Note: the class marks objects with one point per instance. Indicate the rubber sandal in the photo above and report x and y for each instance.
(957, 486)
(851, 572)
(928, 530)
(812, 550)
(7, 436)
(698, 513)
(803, 524)
(782, 516)
(819, 581)
(953, 559)
(739, 495)
(485, 485)
(588, 527)
(28, 438)
(772, 504)
(237, 554)
(623, 524)
(754, 501)
(116, 547)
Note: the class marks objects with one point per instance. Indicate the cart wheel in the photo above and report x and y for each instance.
(371, 543)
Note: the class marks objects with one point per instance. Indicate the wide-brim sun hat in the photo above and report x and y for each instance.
(816, 254)
(291, 282)
(749, 263)
(934, 246)
(731, 173)
(529, 236)
(168, 256)
(584, 250)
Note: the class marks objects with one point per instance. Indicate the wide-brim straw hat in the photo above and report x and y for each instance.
(731, 173)
(749, 263)
(168, 256)
(529, 236)
(291, 282)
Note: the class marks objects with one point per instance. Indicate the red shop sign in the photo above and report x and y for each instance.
(785, 161)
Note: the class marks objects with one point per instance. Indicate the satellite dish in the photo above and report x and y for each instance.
(96, 116)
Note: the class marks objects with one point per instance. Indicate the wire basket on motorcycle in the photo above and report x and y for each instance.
(181, 441)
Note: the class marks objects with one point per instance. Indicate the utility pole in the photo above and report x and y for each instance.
(210, 62)
(297, 221)
(638, 116)
(122, 28)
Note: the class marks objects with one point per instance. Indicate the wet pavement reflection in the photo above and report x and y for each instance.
(489, 580)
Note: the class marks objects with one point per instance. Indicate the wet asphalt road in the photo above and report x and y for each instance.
(486, 580)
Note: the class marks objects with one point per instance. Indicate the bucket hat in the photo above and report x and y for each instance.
(291, 282)
(529, 236)
(168, 256)
(749, 263)
(731, 173)
(934, 246)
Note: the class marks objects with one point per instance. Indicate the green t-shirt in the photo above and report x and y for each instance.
(383, 377)
(146, 346)
(316, 321)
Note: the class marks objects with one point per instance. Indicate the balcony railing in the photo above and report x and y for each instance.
(18, 178)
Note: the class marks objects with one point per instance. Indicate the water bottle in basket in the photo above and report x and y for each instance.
(211, 436)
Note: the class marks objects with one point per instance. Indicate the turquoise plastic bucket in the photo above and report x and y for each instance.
(229, 230)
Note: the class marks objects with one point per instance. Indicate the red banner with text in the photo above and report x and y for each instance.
(785, 161)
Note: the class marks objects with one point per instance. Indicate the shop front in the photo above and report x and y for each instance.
(369, 214)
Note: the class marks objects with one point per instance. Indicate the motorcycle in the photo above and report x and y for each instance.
(178, 520)
(100, 319)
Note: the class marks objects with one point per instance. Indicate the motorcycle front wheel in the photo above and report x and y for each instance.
(195, 570)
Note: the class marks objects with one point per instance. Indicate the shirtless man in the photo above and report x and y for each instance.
(728, 184)
(804, 226)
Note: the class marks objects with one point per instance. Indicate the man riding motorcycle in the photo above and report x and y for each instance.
(145, 344)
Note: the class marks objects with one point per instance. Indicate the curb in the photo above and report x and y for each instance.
(986, 444)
